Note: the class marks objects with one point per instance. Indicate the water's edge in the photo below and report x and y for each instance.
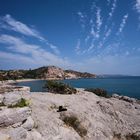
(122, 86)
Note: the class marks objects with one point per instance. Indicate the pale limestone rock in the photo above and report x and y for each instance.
(14, 115)
(4, 136)
(53, 72)
(29, 124)
(19, 134)
(17, 125)
(103, 118)
(36, 135)
(115, 96)
(11, 99)
(125, 98)
(1, 98)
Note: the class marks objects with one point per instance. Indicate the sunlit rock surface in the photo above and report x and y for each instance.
(88, 117)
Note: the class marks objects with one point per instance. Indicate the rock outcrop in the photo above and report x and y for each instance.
(16, 123)
(50, 72)
(87, 117)
(6, 87)
(69, 74)
(53, 72)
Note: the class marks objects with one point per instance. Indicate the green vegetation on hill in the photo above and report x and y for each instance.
(99, 92)
(59, 87)
(49, 72)
(23, 102)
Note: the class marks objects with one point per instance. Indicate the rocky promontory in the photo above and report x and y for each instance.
(48, 72)
(80, 116)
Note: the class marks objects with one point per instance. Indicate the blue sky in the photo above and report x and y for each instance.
(98, 36)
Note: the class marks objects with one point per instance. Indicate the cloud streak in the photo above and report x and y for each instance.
(32, 52)
(101, 30)
(98, 21)
(123, 23)
(82, 19)
(137, 6)
(17, 26)
(114, 4)
(77, 48)
(9, 23)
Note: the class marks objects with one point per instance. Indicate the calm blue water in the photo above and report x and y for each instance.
(129, 86)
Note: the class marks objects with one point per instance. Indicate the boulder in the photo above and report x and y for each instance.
(115, 96)
(4, 136)
(36, 135)
(12, 116)
(124, 98)
(29, 124)
(11, 99)
(19, 134)
(1, 99)
(128, 99)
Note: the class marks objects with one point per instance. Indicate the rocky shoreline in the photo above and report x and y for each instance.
(87, 116)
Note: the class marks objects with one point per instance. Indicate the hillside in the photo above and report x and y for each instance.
(49, 72)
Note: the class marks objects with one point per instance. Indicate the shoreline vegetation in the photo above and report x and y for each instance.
(98, 91)
(55, 86)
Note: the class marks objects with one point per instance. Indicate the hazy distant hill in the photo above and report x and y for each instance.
(116, 76)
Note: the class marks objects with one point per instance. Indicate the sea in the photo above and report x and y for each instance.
(127, 86)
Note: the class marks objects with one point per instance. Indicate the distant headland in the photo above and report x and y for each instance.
(47, 73)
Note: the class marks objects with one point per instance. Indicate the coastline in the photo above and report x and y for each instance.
(110, 114)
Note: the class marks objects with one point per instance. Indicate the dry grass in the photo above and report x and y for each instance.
(73, 122)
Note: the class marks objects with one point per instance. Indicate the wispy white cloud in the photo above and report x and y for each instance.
(12, 24)
(8, 61)
(77, 48)
(93, 32)
(30, 51)
(98, 21)
(9, 23)
(95, 27)
(137, 6)
(82, 18)
(53, 47)
(123, 23)
(107, 33)
(101, 37)
(114, 4)
(90, 47)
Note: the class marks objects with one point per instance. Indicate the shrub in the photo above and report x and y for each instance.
(73, 122)
(98, 91)
(58, 87)
(2, 104)
(132, 136)
(22, 103)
